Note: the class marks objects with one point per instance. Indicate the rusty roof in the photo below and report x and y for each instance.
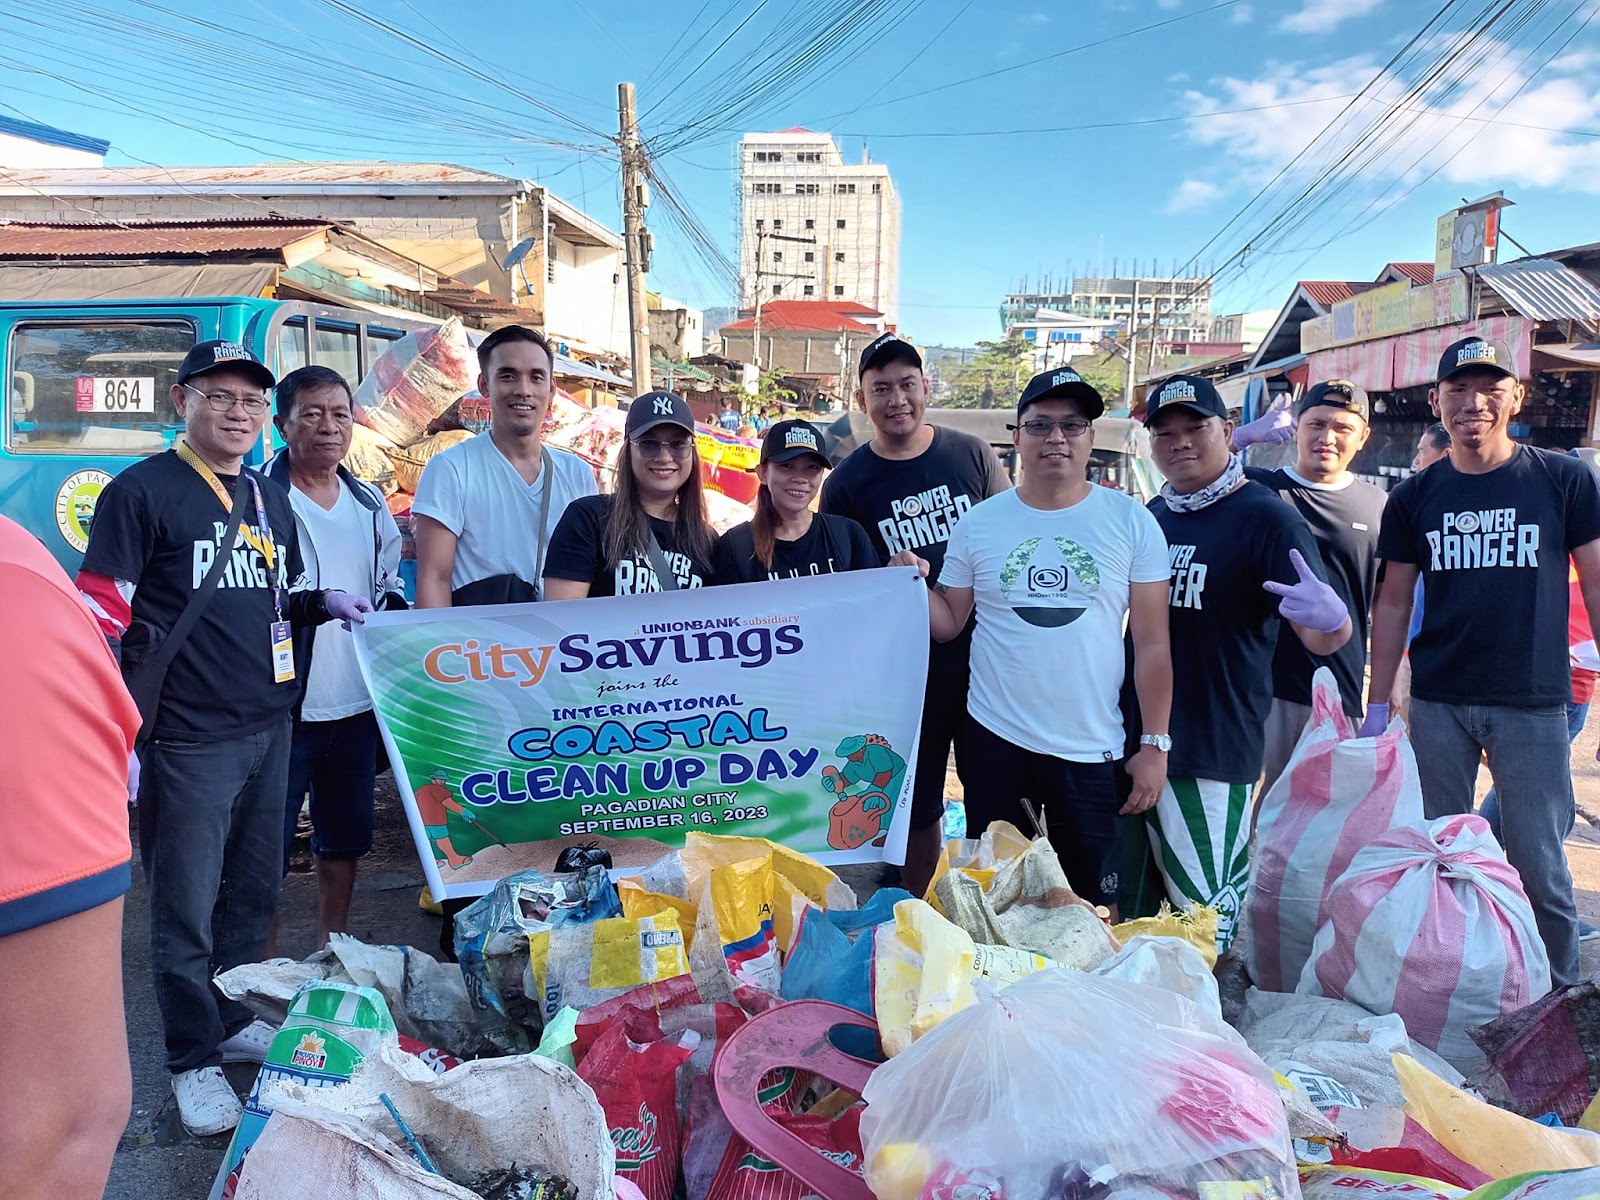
(29, 239)
(1330, 292)
(259, 178)
(1418, 273)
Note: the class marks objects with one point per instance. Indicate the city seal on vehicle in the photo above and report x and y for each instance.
(75, 501)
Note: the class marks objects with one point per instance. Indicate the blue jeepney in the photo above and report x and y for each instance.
(89, 387)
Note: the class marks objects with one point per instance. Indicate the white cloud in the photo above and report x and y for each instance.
(1192, 194)
(1169, 5)
(1034, 18)
(1320, 16)
(1446, 136)
(1243, 14)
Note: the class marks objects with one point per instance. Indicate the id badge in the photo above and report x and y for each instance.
(282, 653)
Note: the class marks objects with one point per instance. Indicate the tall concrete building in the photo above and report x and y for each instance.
(813, 227)
(1184, 304)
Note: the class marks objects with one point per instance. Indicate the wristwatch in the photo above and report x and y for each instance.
(1161, 741)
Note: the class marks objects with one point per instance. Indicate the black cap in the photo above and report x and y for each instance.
(789, 440)
(888, 348)
(1186, 391)
(1066, 384)
(658, 408)
(1336, 393)
(208, 356)
(1477, 353)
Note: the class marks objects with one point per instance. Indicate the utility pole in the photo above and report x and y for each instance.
(635, 199)
(760, 233)
(1155, 336)
(1133, 344)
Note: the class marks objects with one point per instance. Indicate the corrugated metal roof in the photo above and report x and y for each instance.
(1330, 292)
(1543, 289)
(1419, 273)
(19, 239)
(257, 177)
(815, 315)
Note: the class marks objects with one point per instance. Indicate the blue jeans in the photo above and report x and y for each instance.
(1529, 756)
(211, 839)
(337, 762)
(1489, 810)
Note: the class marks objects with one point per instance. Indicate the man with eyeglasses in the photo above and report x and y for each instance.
(486, 508)
(215, 765)
(908, 487)
(349, 541)
(1053, 569)
(1230, 544)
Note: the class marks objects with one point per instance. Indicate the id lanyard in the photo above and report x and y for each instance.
(263, 541)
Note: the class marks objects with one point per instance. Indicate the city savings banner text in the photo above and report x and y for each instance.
(784, 710)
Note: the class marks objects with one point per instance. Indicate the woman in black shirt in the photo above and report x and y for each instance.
(785, 539)
(610, 545)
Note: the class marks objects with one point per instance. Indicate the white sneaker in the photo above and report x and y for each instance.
(250, 1044)
(206, 1101)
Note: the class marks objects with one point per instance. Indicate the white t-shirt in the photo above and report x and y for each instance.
(1051, 590)
(473, 491)
(342, 539)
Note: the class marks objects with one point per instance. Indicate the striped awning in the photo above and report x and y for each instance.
(1412, 359)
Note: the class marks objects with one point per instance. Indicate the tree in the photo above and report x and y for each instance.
(1000, 370)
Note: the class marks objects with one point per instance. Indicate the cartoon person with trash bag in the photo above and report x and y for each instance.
(435, 803)
(872, 767)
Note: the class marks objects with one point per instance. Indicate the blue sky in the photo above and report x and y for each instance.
(988, 145)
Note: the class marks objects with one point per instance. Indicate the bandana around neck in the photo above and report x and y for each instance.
(1232, 476)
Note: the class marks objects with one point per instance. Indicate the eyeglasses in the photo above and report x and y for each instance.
(224, 401)
(1039, 428)
(678, 448)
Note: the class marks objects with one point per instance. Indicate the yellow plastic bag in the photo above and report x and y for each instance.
(637, 901)
(924, 968)
(1198, 927)
(1497, 1142)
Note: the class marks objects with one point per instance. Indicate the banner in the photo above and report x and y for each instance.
(785, 710)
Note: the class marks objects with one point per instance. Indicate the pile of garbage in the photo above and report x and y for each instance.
(731, 1023)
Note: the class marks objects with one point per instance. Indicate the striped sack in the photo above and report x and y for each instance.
(1431, 923)
(1337, 793)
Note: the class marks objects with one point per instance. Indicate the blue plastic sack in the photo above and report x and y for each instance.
(832, 960)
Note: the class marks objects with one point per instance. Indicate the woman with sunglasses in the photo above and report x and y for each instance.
(652, 533)
(785, 539)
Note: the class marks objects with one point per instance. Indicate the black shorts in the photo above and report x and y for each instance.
(1079, 800)
(944, 721)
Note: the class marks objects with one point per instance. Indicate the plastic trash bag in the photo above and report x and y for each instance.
(517, 973)
(410, 460)
(924, 969)
(368, 459)
(1337, 792)
(416, 379)
(1063, 1081)
(832, 955)
(1335, 1183)
(1168, 963)
(1545, 1185)
(1431, 923)
(1196, 926)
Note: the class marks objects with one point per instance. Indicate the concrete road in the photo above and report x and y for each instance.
(159, 1161)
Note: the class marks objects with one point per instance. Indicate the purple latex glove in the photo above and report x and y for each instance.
(133, 779)
(1377, 721)
(1309, 602)
(345, 608)
(1269, 429)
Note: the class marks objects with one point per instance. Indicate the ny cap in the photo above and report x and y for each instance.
(1336, 393)
(208, 356)
(658, 408)
(1186, 391)
(788, 440)
(1477, 353)
(888, 348)
(1065, 383)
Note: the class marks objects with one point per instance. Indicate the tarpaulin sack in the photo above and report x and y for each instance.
(1431, 923)
(633, 1070)
(504, 946)
(1064, 1081)
(1335, 1183)
(1546, 1057)
(1498, 1143)
(410, 460)
(1337, 792)
(368, 459)
(414, 380)
(1027, 904)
